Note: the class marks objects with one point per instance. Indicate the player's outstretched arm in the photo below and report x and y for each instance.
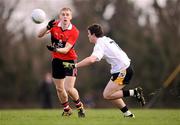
(87, 61)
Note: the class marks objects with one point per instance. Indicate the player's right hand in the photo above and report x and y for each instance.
(50, 24)
(69, 65)
(51, 48)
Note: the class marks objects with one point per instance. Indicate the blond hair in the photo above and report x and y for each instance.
(66, 9)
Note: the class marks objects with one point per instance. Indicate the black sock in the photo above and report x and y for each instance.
(126, 93)
(124, 109)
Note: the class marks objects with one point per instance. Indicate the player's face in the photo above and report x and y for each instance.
(65, 17)
(91, 37)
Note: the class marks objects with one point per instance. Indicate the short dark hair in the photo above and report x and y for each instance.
(96, 29)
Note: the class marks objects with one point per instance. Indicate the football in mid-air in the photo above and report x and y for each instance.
(38, 16)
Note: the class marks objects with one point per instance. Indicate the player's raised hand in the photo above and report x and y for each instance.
(69, 65)
(50, 24)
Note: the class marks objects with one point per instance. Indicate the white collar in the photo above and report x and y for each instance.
(69, 27)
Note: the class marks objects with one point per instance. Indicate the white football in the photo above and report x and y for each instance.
(38, 16)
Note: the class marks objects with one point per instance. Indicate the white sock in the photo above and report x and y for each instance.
(127, 113)
(131, 92)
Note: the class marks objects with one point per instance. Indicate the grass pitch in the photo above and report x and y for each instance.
(93, 117)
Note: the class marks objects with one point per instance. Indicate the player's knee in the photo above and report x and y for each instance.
(106, 95)
(69, 90)
(59, 89)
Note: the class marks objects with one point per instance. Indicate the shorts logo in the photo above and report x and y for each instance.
(122, 73)
(120, 78)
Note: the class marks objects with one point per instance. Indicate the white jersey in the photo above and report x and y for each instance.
(106, 48)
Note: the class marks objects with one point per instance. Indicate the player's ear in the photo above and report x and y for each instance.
(93, 35)
(70, 16)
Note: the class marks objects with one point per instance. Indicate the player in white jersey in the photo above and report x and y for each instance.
(106, 48)
(121, 71)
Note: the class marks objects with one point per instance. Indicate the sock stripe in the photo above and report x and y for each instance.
(65, 104)
(76, 101)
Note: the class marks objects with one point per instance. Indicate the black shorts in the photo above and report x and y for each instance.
(123, 77)
(58, 70)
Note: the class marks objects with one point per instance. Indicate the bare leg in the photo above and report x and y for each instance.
(114, 93)
(118, 103)
(61, 92)
(73, 93)
(69, 86)
(62, 95)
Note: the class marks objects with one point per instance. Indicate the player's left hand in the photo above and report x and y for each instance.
(51, 48)
(69, 65)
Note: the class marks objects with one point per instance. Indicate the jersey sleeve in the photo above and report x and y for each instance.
(98, 51)
(73, 37)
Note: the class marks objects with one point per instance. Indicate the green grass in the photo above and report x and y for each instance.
(93, 117)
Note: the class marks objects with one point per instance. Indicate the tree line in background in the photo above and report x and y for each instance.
(153, 49)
